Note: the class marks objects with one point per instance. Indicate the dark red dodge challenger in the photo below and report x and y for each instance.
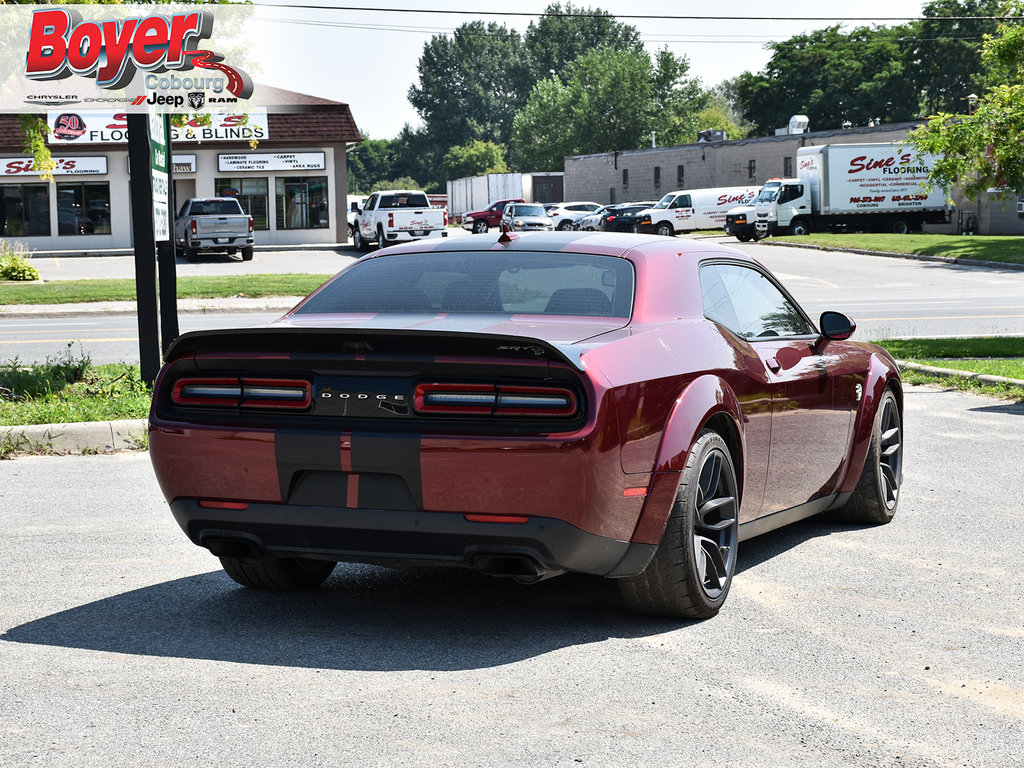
(621, 405)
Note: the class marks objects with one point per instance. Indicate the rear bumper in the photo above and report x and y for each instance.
(528, 550)
(406, 236)
(217, 243)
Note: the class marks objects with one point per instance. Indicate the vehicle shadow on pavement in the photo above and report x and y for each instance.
(363, 618)
(370, 618)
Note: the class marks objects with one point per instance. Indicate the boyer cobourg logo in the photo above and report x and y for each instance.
(61, 44)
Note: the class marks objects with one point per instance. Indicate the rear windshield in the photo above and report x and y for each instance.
(482, 282)
(404, 201)
(215, 207)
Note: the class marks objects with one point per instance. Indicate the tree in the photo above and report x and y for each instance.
(474, 159)
(370, 161)
(470, 85)
(610, 99)
(983, 149)
(563, 34)
(947, 55)
(834, 78)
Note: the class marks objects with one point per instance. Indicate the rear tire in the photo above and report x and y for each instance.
(899, 227)
(744, 238)
(877, 494)
(190, 254)
(692, 569)
(247, 253)
(282, 573)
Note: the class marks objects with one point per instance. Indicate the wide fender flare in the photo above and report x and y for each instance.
(881, 373)
(702, 400)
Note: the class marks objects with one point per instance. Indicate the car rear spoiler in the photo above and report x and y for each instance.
(339, 343)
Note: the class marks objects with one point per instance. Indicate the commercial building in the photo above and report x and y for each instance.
(648, 174)
(287, 166)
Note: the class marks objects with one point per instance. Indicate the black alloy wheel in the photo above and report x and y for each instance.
(691, 571)
(877, 494)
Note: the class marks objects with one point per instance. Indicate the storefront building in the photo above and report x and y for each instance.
(287, 168)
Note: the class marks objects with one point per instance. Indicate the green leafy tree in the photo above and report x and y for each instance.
(474, 159)
(403, 182)
(983, 149)
(947, 53)
(371, 160)
(469, 85)
(609, 99)
(604, 104)
(833, 77)
(676, 100)
(564, 33)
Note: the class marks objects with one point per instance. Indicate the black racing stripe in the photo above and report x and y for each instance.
(390, 455)
(296, 450)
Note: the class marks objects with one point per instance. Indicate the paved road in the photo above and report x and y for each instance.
(123, 644)
(889, 298)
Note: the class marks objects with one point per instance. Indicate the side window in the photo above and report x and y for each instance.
(683, 201)
(756, 308)
(791, 192)
(371, 203)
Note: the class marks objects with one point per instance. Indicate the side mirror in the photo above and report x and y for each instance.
(835, 326)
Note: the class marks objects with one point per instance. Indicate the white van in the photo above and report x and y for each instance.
(688, 209)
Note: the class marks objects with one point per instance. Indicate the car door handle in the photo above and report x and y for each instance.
(772, 364)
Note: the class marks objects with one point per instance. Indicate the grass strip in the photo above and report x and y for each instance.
(69, 389)
(996, 248)
(204, 287)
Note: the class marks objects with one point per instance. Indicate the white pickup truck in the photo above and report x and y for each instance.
(213, 224)
(397, 216)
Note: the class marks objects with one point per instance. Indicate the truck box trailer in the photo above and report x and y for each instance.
(852, 186)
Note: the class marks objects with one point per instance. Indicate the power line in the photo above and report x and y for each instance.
(635, 17)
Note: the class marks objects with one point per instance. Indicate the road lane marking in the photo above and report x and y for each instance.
(62, 341)
(51, 330)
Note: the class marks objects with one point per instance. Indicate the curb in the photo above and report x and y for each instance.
(950, 373)
(268, 304)
(82, 437)
(957, 260)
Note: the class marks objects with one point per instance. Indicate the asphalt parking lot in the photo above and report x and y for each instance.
(123, 644)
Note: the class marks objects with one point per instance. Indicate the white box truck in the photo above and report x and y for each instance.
(688, 209)
(875, 187)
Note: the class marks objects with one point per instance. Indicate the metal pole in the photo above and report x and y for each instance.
(141, 196)
(166, 262)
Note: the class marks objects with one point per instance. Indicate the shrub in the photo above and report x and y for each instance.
(14, 263)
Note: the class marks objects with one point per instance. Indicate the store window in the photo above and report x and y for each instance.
(301, 202)
(24, 210)
(252, 194)
(83, 209)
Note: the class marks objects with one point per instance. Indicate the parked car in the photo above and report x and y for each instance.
(564, 214)
(519, 217)
(590, 222)
(620, 405)
(213, 225)
(479, 222)
(624, 217)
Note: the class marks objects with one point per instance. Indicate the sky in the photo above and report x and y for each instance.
(368, 59)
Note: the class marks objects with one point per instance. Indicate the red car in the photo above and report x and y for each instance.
(620, 405)
(478, 222)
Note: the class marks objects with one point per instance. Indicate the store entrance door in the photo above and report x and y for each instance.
(183, 190)
(297, 212)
